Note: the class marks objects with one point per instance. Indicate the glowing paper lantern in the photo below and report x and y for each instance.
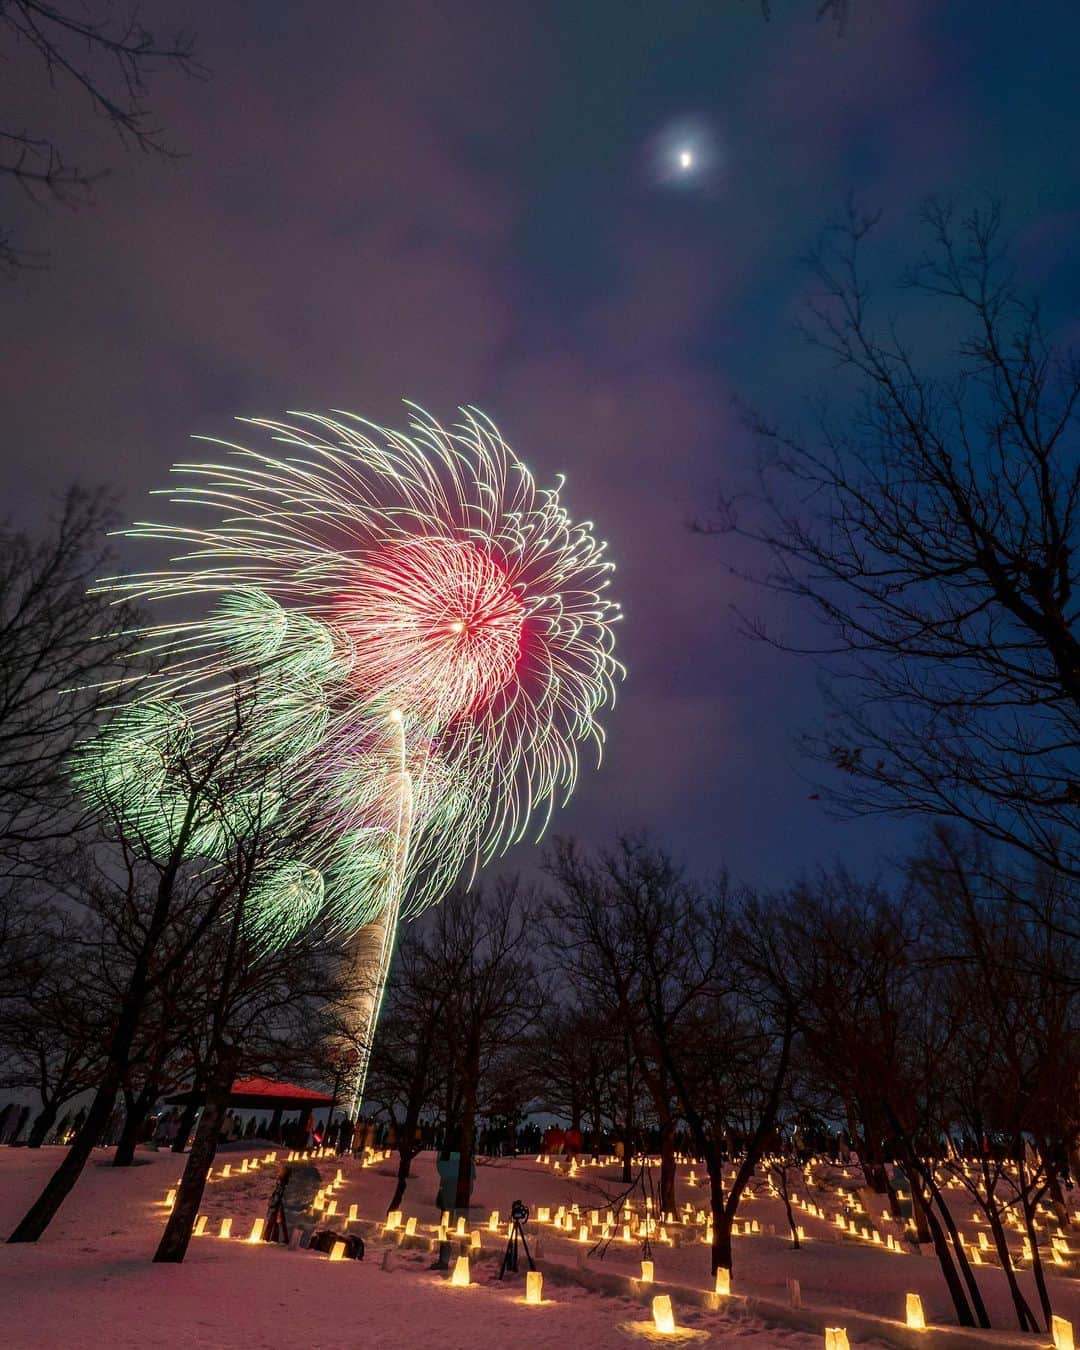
(256, 1231)
(836, 1338)
(1062, 1331)
(331, 1209)
(170, 1199)
(459, 1231)
(226, 1228)
(493, 1221)
(646, 1272)
(337, 1251)
(460, 1277)
(393, 1220)
(200, 1226)
(723, 1281)
(474, 1240)
(663, 1315)
(354, 1211)
(534, 1285)
(915, 1316)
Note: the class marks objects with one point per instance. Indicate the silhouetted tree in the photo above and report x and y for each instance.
(935, 535)
(103, 55)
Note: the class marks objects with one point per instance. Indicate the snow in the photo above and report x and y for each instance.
(90, 1281)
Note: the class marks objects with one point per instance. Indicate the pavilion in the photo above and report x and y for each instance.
(262, 1094)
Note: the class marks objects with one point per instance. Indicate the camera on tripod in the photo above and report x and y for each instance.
(519, 1215)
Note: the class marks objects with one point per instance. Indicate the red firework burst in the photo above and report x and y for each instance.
(436, 625)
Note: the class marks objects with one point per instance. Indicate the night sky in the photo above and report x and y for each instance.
(480, 202)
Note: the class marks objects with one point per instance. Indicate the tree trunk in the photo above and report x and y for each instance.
(46, 1119)
(721, 1217)
(667, 1166)
(468, 1133)
(1024, 1318)
(918, 1215)
(1037, 1271)
(41, 1213)
(187, 1124)
(628, 1146)
(189, 1194)
(129, 1134)
(406, 1153)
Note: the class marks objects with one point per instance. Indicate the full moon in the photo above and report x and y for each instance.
(686, 159)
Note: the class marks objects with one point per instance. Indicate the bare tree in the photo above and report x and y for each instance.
(58, 646)
(934, 536)
(494, 996)
(710, 1048)
(50, 1018)
(153, 884)
(106, 57)
(405, 1059)
(1016, 1062)
(251, 1002)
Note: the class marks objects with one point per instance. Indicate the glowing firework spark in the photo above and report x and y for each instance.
(425, 634)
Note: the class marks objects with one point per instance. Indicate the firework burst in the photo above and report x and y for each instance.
(426, 637)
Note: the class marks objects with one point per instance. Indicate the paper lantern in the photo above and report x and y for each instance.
(493, 1221)
(170, 1199)
(836, 1339)
(410, 1225)
(474, 1240)
(915, 1317)
(723, 1281)
(354, 1211)
(662, 1315)
(459, 1231)
(226, 1228)
(200, 1226)
(331, 1209)
(393, 1220)
(583, 1233)
(337, 1251)
(1062, 1331)
(256, 1231)
(646, 1272)
(534, 1284)
(460, 1277)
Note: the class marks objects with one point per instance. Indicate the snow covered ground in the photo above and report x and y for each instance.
(90, 1281)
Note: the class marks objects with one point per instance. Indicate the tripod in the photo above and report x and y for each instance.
(510, 1256)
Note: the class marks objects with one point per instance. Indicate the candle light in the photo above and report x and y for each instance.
(663, 1316)
(915, 1315)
